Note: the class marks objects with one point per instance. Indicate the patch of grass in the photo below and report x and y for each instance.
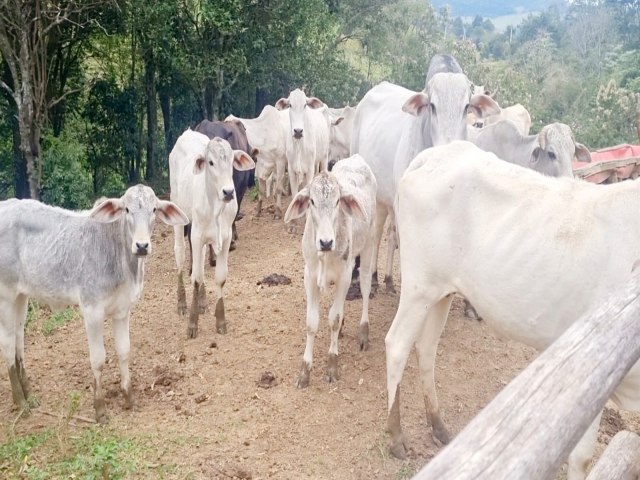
(92, 453)
(253, 193)
(33, 312)
(58, 319)
(406, 471)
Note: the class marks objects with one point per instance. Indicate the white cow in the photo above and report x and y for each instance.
(551, 152)
(340, 223)
(267, 136)
(307, 139)
(532, 253)
(200, 173)
(341, 131)
(516, 113)
(393, 124)
(94, 259)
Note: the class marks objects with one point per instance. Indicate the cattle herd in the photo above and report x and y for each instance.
(476, 206)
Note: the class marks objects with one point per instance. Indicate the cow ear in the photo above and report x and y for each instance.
(483, 106)
(255, 152)
(282, 104)
(582, 153)
(535, 155)
(416, 103)
(108, 211)
(298, 205)
(352, 206)
(337, 121)
(171, 214)
(199, 164)
(242, 161)
(314, 102)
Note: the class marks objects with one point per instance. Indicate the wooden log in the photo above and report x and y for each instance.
(596, 168)
(620, 460)
(530, 428)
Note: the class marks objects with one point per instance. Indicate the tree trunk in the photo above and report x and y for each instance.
(20, 179)
(209, 99)
(165, 105)
(261, 100)
(152, 115)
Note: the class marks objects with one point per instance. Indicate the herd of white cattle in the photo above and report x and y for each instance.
(491, 213)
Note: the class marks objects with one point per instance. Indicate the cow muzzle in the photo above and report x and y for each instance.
(228, 194)
(325, 245)
(297, 133)
(141, 249)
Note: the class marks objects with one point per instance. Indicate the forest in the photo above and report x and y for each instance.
(94, 93)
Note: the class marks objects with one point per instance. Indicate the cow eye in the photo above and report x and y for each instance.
(126, 209)
(433, 108)
(154, 209)
(466, 109)
(210, 163)
(552, 156)
(313, 203)
(337, 202)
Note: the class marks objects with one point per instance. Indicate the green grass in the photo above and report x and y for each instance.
(93, 453)
(406, 471)
(33, 312)
(58, 319)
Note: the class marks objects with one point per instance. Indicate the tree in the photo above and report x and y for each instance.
(27, 29)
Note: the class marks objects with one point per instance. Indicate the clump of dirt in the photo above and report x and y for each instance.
(275, 279)
(163, 376)
(267, 380)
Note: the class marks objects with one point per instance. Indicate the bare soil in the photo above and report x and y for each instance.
(225, 406)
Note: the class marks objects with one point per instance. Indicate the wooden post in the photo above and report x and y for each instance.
(530, 428)
(621, 459)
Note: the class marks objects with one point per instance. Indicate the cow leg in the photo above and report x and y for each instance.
(8, 338)
(94, 325)
(392, 244)
(197, 280)
(381, 217)
(580, 457)
(123, 348)
(313, 318)
(426, 349)
(212, 256)
(22, 305)
(336, 317)
(280, 168)
(220, 278)
(262, 191)
(400, 339)
(366, 258)
(178, 250)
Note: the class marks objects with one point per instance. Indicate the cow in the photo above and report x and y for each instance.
(93, 259)
(517, 113)
(550, 152)
(267, 136)
(533, 253)
(307, 141)
(339, 206)
(340, 134)
(392, 124)
(234, 132)
(200, 174)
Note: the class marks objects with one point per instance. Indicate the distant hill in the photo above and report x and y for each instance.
(494, 8)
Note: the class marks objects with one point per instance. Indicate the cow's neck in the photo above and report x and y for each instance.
(133, 267)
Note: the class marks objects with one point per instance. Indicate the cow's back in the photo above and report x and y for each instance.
(58, 256)
(382, 131)
(517, 244)
(182, 158)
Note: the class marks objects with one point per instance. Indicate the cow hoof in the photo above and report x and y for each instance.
(277, 216)
(192, 331)
(354, 292)
(440, 432)
(221, 329)
(128, 399)
(363, 338)
(332, 368)
(102, 418)
(182, 309)
(232, 246)
(398, 449)
(302, 381)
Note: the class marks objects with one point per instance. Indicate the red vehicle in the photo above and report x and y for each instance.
(610, 165)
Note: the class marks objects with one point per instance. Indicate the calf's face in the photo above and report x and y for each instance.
(139, 207)
(297, 103)
(324, 198)
(218, 164)
(556, 150)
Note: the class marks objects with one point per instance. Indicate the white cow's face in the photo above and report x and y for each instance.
(324, 197)
(218, 163)
(556, 150)
(139, 206)
(297, 103)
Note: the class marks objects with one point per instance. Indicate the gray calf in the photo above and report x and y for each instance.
(94, 259)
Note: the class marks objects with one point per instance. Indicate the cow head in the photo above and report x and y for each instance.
(218, 163)
(139, 207)
(556, 150)
(445, 103)
(324, 197)
(297, 103)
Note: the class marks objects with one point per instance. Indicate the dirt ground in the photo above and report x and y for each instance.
(200, 404)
